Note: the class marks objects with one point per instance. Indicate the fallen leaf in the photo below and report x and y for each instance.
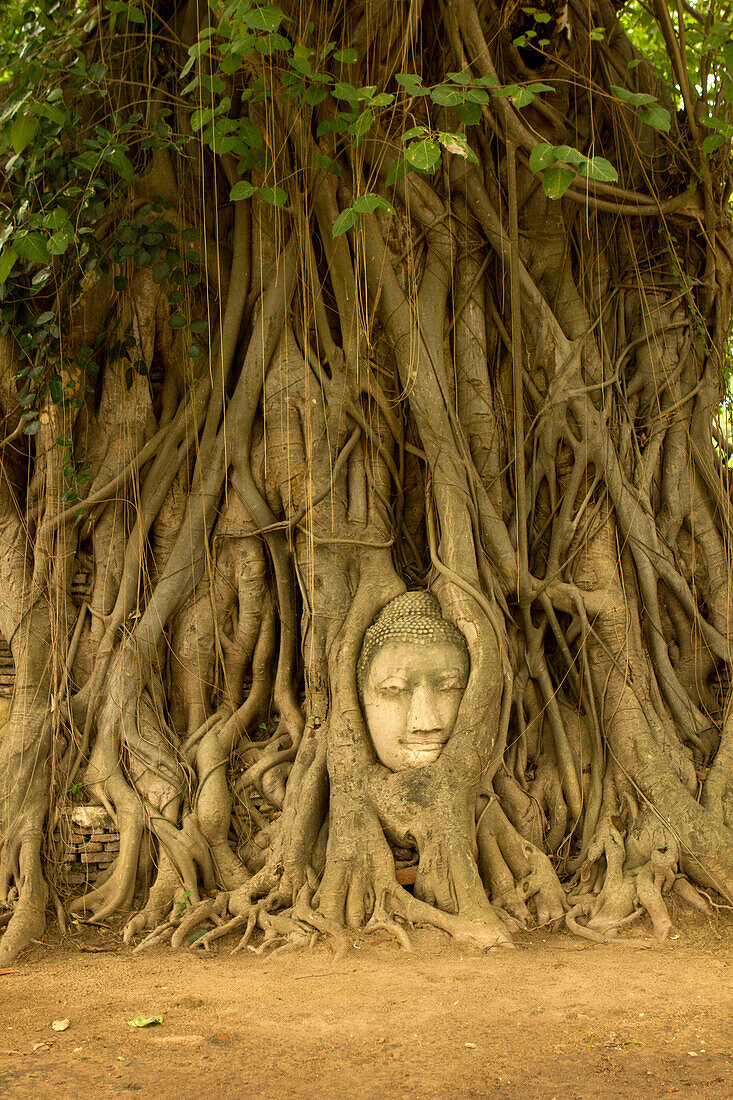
(40, 1046)
(471, 1046)
(60, 1025)
(9, 971)
(145, 1021)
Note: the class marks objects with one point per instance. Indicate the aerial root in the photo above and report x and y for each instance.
(684, 889)
(573, 925)
(159, 935)
(382, 922)
(209, 909)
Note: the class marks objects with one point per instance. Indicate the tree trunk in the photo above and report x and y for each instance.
(463, 330)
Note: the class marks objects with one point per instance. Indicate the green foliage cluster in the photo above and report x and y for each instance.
(69, 150)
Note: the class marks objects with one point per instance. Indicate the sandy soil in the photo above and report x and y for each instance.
(557, 1017)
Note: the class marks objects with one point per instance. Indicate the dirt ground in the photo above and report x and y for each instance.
(558, 1017)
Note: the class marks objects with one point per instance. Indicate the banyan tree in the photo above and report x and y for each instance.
(365, 518)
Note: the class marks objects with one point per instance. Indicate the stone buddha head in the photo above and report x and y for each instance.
(412, 673)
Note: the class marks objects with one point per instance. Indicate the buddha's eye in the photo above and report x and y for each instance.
(393, 691)
(450, 685)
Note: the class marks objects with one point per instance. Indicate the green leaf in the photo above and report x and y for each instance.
(423, 155)
(46, 110)
(446, 97)
(200, 118)
(470, 113)
(59, 241)
(242, 190)
(145, 1021)
(556, 181)
(342, 90)
(636, 99)
(314, 95)
(719, 124)
(161, 271)
(362, 126)
(413, 132)
(31, 246)
(56, 218)
(397, 172)
(658, 118)
(23, 129)
(542, 156)
(8, 256)
(412, 83)
(56, 389)
(344, 221)
(367, 204)
(331, 126)
(569, 155)
(712, 142)
(522, 98)
(477, 95)
(177, 321)
(596, 168)
(267, 18)
(728, 57)
(457, 144)
(121, 164)
(276, 196)
(346, 57)
(506, 91)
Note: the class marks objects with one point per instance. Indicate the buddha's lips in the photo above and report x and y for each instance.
(418, 745)
(435, 737)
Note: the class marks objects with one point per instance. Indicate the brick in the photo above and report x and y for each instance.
(98, 857)
(113, 847)
(405, 875)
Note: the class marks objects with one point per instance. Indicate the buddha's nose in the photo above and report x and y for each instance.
(423, 714)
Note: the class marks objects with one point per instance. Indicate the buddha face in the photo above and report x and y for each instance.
(410, 698)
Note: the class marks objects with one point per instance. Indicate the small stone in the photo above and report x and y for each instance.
(92, 817)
